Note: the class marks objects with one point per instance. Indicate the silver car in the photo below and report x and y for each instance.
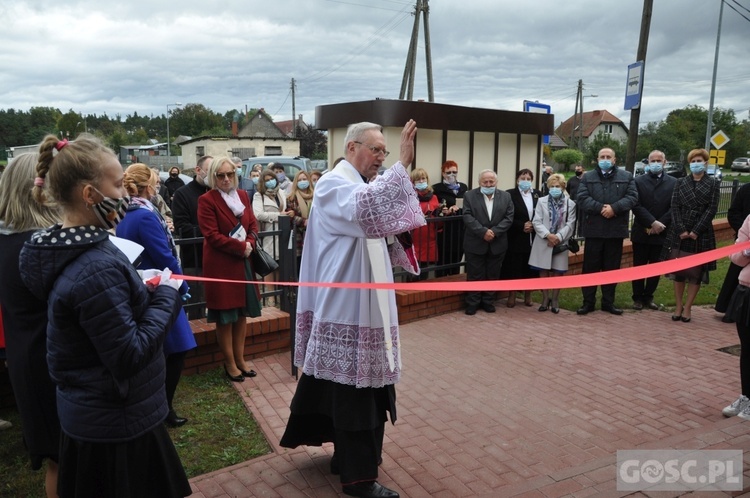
(741, 164)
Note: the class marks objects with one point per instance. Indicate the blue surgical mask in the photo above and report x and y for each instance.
(280, 176)
(239, 172)
(524, 185)
(697, 168)
(655, 168)
(303, 184)
(420, 185)
(488, 190)
(605, 165)
(270, 184)
(255, 179)
(555, 192)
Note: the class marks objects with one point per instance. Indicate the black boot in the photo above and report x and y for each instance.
(173, 420)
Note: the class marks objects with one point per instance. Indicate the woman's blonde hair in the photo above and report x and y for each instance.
(137, 177)
(213, 168)
(556, 177)
(295, 182)
(420, 173)
(64, 165)
(18, 210)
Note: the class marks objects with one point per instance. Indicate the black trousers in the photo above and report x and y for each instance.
(485, 266)
(644, 288)
(601, 254)
(358, 454)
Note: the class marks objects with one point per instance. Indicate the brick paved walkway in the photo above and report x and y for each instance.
(519, 403)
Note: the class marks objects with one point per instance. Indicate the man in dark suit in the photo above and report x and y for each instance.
(575, 181)
(487, 215)
(653, 214)
(604, 200)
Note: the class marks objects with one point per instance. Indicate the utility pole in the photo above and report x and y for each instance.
(709, 122)
(635, 113)
(421, 9)
(294, 112)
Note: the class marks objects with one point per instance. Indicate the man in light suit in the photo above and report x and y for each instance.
(487, 215)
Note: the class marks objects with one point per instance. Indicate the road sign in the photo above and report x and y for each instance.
(719, 139)
(529, 106)
(717, 157)
(634, 86)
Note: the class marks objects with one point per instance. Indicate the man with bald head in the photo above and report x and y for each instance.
(652, 215)
(604, 200)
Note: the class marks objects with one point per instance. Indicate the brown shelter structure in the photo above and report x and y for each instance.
(477, 139)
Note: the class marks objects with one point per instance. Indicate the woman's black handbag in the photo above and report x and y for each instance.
(263, 263)
(572, 244)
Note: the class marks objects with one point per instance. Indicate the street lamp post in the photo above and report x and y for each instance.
(169, 153)
(580, 140)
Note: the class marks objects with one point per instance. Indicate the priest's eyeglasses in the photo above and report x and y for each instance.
(375, 150)
(224, 176)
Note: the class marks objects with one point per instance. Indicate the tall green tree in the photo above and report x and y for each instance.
(192, 119)
(312, 143)
(567, 157)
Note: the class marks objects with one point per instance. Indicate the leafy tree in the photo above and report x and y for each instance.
(312, 143)
(601, 141)
(192, 119)
(566, 157)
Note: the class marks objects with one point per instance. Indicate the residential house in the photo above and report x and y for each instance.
(594, 122)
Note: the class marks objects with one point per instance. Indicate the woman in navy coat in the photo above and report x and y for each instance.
(145, 226)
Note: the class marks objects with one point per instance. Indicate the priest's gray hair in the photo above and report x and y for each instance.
(356, 131)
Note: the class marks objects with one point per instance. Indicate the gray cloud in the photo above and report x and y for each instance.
(140, 56)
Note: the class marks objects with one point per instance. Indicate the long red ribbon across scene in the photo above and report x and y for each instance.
(563, 282)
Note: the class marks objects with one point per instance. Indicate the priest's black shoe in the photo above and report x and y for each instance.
(173, 420)
(369, 489)
(471, 310)
(584, 310)
(488, 308)
(612, 309)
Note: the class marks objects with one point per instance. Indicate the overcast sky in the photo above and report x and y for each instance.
(119, 57)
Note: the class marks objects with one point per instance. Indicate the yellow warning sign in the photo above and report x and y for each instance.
(717, 157)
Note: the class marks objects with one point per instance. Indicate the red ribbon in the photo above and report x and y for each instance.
(564, 282)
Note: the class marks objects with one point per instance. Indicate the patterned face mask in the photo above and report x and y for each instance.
(110, 212)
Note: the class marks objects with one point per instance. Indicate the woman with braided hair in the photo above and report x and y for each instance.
(105, 333)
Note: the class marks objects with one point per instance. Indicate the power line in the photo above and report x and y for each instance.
(737, 11)
(741, 6)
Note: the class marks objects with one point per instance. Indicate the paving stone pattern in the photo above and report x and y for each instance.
(518, 403)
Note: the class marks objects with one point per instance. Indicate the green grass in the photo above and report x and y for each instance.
(571, 299)
(221, 432)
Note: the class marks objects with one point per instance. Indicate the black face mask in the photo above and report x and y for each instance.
(579, 173)
(173, 175)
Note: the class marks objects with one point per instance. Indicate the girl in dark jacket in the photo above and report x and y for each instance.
(105, 332)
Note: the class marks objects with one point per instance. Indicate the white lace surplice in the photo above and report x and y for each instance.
(340, 332)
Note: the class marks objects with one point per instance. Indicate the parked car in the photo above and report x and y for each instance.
(741, 164)
(292, 165)
(675, 169)
(715, 171)
(639, 168)
(319, 164)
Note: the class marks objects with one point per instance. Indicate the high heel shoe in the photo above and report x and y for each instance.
(511, 302)
(545, 305)
(554, 310)
(234, 378)
(676, 318)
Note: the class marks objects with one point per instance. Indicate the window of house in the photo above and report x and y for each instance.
(200, 150)
(272, 150)
(607, 129)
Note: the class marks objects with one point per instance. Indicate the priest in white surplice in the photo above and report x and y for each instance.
(350, 361)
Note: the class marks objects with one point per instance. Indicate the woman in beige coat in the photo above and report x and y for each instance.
(269, 202)
(554, 221)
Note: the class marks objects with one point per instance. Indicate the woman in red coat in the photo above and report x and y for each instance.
(227, 221)
(425, 238)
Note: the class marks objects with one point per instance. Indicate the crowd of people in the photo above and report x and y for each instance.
(96, 370)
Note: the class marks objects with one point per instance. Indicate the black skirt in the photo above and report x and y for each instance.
(320, 407)
(739, 305)
(147, 466)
